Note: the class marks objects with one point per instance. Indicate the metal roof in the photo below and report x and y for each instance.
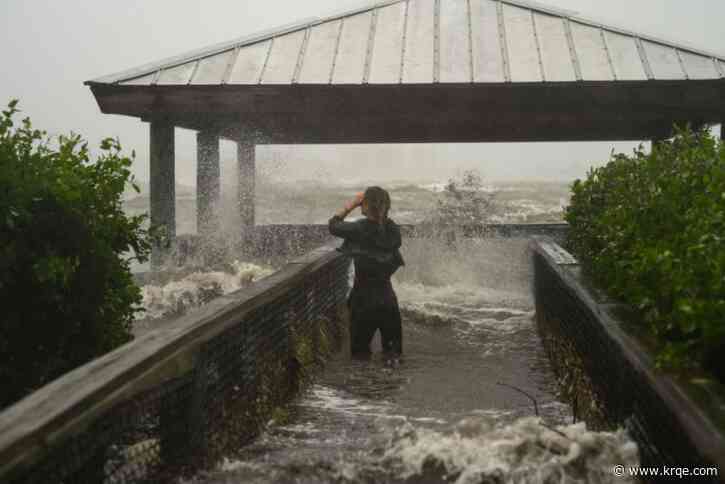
(429, 71)
(434, 41)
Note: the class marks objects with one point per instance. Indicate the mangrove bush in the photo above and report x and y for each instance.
(650, 229)
(65, 281)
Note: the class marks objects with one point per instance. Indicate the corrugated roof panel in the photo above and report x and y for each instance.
(555, 53)
(350, 62)
(283, 58)
(388, 49)
(428, 41)
(487, 61)
(321, 45)
(177, 75)
(591, 52)
(699, 67)
(419, 49)
(140, 81)
(663, 61)
(211, 70)
(455, 42)
(625, 57)
(250, 61)
(522, 48)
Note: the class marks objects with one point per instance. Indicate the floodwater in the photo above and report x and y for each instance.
(461, 404)
(452, 409)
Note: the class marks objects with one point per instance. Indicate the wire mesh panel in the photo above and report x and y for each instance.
(617, 369)
(181, 423)
(129, 443)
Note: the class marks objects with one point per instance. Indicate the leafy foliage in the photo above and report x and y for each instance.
(650, 229)
(67, 290)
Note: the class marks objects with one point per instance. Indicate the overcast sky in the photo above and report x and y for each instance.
(49, 47)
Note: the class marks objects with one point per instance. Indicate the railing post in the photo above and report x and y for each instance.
(184, 425)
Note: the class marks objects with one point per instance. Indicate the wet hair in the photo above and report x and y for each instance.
(378, 201)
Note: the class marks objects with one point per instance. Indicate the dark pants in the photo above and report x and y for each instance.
(374, 307)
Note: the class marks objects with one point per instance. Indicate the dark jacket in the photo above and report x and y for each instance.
(375, 248)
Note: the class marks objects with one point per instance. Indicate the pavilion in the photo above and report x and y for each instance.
(411, 71)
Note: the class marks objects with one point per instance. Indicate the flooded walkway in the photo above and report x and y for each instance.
(446, 412)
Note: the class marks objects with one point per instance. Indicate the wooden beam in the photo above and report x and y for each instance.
(162, 192)
(685, 100)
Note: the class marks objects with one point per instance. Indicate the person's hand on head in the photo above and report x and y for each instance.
(355, 202)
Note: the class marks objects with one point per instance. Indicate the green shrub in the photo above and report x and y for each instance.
(650, 229)
(67, 291)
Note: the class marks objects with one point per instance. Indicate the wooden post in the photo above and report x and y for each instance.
(162, 189)
(246, 167)
(207, 183)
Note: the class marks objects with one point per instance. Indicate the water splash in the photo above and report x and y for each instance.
(480, 450)
(195, 289)
(477, 449)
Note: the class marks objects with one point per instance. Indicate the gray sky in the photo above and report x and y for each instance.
(48, 48)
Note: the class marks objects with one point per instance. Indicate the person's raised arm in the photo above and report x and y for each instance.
(338, 226)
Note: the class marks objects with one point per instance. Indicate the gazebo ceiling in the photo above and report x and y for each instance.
(430, 71)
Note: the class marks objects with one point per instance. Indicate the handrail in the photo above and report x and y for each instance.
(608, 344)
(70, 404)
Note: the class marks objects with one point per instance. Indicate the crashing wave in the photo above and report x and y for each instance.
(195, 289)
(527, 451)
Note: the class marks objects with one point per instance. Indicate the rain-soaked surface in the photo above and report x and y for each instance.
(452, 408)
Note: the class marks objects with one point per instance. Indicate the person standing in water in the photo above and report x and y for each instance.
(374, 244)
